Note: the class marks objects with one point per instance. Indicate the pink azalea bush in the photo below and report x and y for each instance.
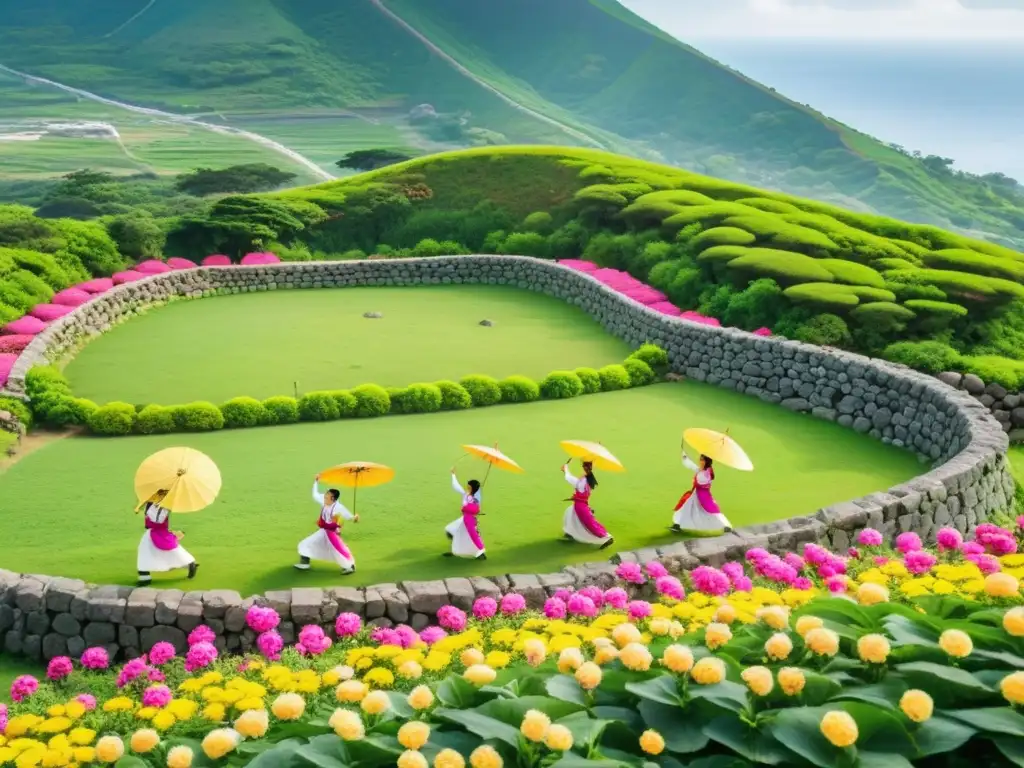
(616, 597)
(59, 668)
(133, 670)
(919, 562)
(710, 581)
(270, 644)
(87, 700)
(201, 634)
(512, 603)
(158, 696)
(638, 609)
(200, 655)
(431, 635)
(451, 618)
(949, 539)
(347, 624)
(14, 344)
(161, 653)
(908, 542)
(95, 658)
(23, 687)
(485, 607)
(869, 537)
(670, 587)
(580, 604)
(555, 608)
(262, 618)
(313, 640)
(630, 572)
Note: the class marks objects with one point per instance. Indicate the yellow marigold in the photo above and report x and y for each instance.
(791, 680)
(775, 616)
(725, 614)
(589, 675)
(86, 755)
(558, 738)
(823, 642)
(412, 759)
(1012, 687)
(214, 713)
(941, 587)
(81, 737)
(806, 623)
(1013, 621)
(626, 633)
(288, 706)
(375, 703)
(74, 709)
(917, 705)
(119, 704)
(708, 671)
(449, 758)
(471, 656)
(253, 702)
(635, 656)
(535, 725)
(535, 652)
(351, 691)
(870, 593)
(146, 713)
(109, 749)
(716, 635)
(347, 724)
(839, 728)
(57, 710)
(956, 643)
(380, 677)
(182, 709)
(414, 734)
(144, 740)
(497, 659)
(896, 569)
(778, 646)
(253, 723)
(678, 659)
(652, 742)
(504, 637)
(873, 649)
(220, 742)
(420, 698)
(569, 660)
(486, 756)
(1001, 585)
(698, 599)
(163, 720)
(758, 679)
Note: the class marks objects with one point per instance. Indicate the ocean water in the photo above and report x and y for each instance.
(963, 100)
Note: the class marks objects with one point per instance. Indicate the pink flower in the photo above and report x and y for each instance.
(562, 594)
(836, 584)
(710, 581)
(1020, 521)
(201, 634)
(630, 572)
(95, 658)
(386, 636)
(616, 597)
(949, 538)
(132, 670)
(919, 562)
(431, 635)
(3, 718)
(972, 548)
(270, 644)
(23, 687)
(908, 542)
(816, 555)
(837, 564)
(869, 537)
(733, 570)
(756, 553)
(59, 668)
(639, 609)
(594, 593)
(512, 603)
(794, 561)
(156, 676)
(743, 584)
(158, 696)
(581, 605)
(312, 637)
(347, 624)
(986, 563)
(300, 649)
(671, 587)
(555, 607)
(880, 560)
(200, 655)
(162, 653)
(854, 553)
(485, 607)
(1001, 544)
(87, 700)
(262, 618)
(803, 583)
(407, 636)
(826, 571)
(656, 570)
(450, 617)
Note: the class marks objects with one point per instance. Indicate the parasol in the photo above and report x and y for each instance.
(190, 478)
(494, 458)
(358, 474)
(595, 453)
(719, 447)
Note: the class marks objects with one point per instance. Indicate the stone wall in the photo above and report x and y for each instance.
(42, 616)
(1006, 407)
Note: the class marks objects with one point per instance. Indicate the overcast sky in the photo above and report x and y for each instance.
(695, 20)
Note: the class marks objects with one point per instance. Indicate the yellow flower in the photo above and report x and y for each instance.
(872, 594)
(652, 742)
(471, 656)
(589, 675)
(626, 633)
(414, 734)
(214, 713)
(535, 652)
(775, 616)
(182, 709)
(1001, 585)
(823, 642)
(86, 755)
(81, 737)
(146, 713)
(558, 738)
(497, 659)
(678, 659)
(605, 654)
(119, 704)
(412, 759)
(375, 703)
(716, 635)
(917, 705)
(480, 675)
(347, 724)
(806, 623)
(57, 710)
(873, 649)
(486, 756)
(410, 670)
(635, 656)
(725, 614)
(778, 646)
(109, 749)
(253, 702)
(1012, 687)
(758, 679)
(839, 728)
(74, 709)
(708, 671)
(220, 742)
(956, 643)
(791, 680)
(1013, 621)
(253, 723)
(535, 725)
(380, 677)
(144, 740)
(420, 698)
(351, 691)
(569, 660)
(288, 706)
(163, 720)
(449, 758)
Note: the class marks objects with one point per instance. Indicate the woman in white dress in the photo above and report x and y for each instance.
(697, 511)
(159, 549)
(579, 522)
(463, 531)
(326, 544)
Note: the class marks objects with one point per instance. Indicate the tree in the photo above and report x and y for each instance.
(137, 236)
(250, 177)
(371, 159)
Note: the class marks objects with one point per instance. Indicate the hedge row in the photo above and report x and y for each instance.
(54, 404)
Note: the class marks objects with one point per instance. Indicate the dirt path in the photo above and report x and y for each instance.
(31, 443)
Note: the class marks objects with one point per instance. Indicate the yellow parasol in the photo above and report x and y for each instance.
(719, 447)
(494, 457)
(190, 478)
(595, 453)
(358, 474)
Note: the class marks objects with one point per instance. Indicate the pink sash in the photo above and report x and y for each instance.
(469, 513)
(331, 529)
(161, 536)
(704, 496)
(581, 506)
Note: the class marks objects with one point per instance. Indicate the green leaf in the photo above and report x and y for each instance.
(878, 760)
(880, 730)
(751, 743)
(130, 762)
(939, 735)
(819, 688)
(585, 729)
(719, 761)
(482, 725)
(254, 747)
(1002, 721)
(1012, 748)
(456, 693)
(375, 751)
(842, 612)
(628, 717)
(400, 705)
(663, 689)
(572, 760)
(907, 632)
(299, 730)
(511, 711)
(726, 694)
(945, 684)
(682, 733)
(799, 730)
(281, 756)
(462, 742)
(886, 694)
(566, 688)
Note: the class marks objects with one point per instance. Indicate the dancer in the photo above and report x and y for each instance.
(463, 532)
(697, 510)
(159, 549)
(579, 522)
(326, 544)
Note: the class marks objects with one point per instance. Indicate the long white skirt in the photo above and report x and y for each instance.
(153, 560)
(318, 547)
(462, 544)
(572, 526)
(693, 517)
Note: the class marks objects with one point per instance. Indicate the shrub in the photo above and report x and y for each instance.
(44, 379)
(525, 244)
(590, 380)
(928, 356)
(766, 204)
(559, 385)
(243, 412)
(826, 296)
(883, 316)
(539, 222)
(640, 373)
(422, 398)
(519, 389)
(852, 273)
(784, 267)
(962, 260)
(18, 409)
(652, 354)
(905, 291)
(613, 377)
(992, 368)
(825, 330)
(70, 411)
(866, 293)
(396, 396)
(723, 254)
(371, 401)
(281, 410)
(454, 397)
(757, 305)
(113, 419)
(783, 233)
(942, 309)
(155, 420)
(721, 236)
(894, 263)
(198, 417)
(483, 390)
(318, 406)
(972, 287)
(346, 401)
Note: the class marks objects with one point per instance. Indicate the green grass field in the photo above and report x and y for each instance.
(259, 344)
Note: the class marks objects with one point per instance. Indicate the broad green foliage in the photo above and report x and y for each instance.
(785, 267)
(721, 236)
(824, 296)
(852, 273)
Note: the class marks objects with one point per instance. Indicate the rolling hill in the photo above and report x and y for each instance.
(425, 75)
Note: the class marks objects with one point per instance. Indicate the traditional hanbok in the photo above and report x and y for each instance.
(159, 549)
(579, 522)
(697, 510)
(463, 531)
(326, 544)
